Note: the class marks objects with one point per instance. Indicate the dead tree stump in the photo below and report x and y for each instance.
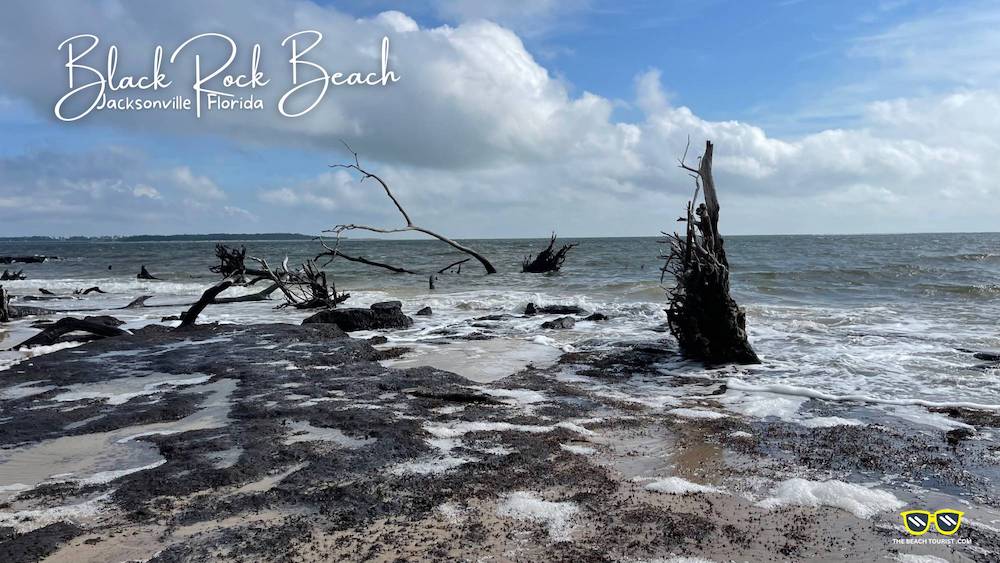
(702, 315)
(145, 275)
(548, 260)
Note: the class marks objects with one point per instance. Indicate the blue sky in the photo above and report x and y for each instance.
(513, 119)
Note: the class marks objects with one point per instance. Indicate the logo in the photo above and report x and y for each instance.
(918, 522)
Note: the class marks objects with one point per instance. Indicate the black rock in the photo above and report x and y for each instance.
(386, 305)
(957, 435)
(530, 309)
(383, 315)
(502, 317)
(425, 312)
(561, 322)
(988, 355)
(562, 310)
(596, 317)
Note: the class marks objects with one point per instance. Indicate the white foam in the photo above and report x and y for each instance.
(828, 421)
(913, 558)
(734, 383)
(430, 466)
(556, 516)
(696, 413)
(25, 521)
(123, 389)
(861, 501)
(108, 476)
(517, 396)
(302, 431)
(679, 486)
(451, 512)
(459, 429)
(577, 449)
(26, 389)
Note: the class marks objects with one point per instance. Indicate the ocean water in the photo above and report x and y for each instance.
(883, 318)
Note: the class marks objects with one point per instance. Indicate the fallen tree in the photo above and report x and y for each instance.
(98, 326)
(548, 260)
(410, 226)
(25, 259)
(305, 287)
(191, 315)
(232, 264)
(702, 315)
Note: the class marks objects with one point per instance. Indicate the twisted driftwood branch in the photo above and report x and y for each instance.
(410, 226)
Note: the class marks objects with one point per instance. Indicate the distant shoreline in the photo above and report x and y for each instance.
(284, 237)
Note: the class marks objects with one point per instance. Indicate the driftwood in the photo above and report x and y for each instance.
(304, 288)
(333, 253)
(4, 305)
(231, 263)
(145, 275)
(548, 260)
(410, 226)
(89, 290)
(453, 264)
(191, 315)
(98, 326)
(262, 295)
(12, 275)
(702, 315)
(25, 259)
(138, 302)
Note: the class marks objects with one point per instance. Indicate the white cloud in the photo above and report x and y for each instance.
(143, 190)
(199, 187)
(480, 137)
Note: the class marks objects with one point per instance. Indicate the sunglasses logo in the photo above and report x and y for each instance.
(918, 522)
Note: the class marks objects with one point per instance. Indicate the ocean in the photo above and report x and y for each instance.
(886, 319)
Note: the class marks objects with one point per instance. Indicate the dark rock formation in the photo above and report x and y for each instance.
(561, 322)
(379, 316)
(596, 317)
(425, 312)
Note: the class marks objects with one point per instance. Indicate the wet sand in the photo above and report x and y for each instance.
(299, 444)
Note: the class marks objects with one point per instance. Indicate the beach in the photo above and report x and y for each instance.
(476, 434)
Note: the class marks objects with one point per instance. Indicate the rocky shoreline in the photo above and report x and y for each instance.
(281, 442)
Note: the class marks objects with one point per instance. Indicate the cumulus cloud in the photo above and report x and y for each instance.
(480, 136)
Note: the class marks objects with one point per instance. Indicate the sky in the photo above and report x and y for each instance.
(514, 119)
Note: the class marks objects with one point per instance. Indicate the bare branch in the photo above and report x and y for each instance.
(410, 226)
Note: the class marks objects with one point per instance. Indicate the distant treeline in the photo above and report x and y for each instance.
(161, 238)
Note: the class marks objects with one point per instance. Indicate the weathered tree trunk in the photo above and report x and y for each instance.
(191, 315)
(4, 302)
(548, 260)
(702, 315)
(99, 326)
